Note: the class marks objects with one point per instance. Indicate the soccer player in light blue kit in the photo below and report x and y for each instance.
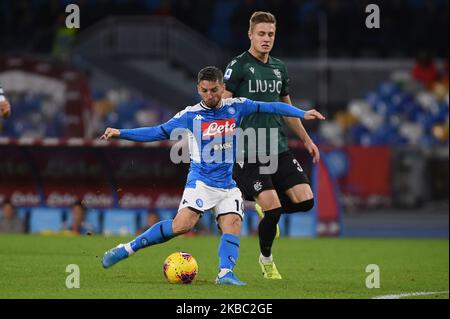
(212, 127)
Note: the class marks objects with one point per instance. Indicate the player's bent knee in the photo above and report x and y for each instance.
(304, 206)
(181, 228)
(183, 224)
(268, 200)
(231, 224)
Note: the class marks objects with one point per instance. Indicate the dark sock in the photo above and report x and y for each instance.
(267, 230)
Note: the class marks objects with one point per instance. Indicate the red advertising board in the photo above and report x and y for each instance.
(367, 181)
(18, 182)
(146, 177)
(70, 174)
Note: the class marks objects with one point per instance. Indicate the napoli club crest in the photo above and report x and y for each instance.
(199, 202)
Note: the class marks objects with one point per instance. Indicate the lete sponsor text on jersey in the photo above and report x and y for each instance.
(219, 128)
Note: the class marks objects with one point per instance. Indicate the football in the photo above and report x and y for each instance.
(180, 267)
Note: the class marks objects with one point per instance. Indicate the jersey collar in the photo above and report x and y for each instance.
(203, 105)
(259, 61)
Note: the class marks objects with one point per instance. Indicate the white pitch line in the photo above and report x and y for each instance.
(410, 295)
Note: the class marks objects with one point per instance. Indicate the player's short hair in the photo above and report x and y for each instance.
(261, 17)
(210, 73)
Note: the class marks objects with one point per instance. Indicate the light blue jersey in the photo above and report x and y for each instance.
(212, 136)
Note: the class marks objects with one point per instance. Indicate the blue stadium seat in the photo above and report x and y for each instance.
(45, 219)
(302, 225)
(119, 222)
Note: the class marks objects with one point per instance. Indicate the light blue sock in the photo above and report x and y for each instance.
(157, 234)
(228, 251)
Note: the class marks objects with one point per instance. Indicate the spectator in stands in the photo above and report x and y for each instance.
(9, 221)
(5, 107)
(79, 225)
(425, 70)
(152, 218)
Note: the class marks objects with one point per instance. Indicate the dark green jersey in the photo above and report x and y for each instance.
(246, 76)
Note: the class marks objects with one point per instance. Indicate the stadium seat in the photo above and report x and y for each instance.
(46, 219)
(119, 222)
(302, 225)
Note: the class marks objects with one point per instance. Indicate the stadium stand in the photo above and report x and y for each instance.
(398, 112)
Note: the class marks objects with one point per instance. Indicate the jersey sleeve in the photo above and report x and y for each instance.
(249, 106)
(285, 82)
(233, 76)
(156, 133)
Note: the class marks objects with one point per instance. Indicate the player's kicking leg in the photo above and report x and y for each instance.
(157, 234)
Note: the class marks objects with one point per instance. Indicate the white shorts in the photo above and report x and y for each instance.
(221, 201)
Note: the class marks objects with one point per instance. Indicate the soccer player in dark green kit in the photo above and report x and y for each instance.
(258, 76)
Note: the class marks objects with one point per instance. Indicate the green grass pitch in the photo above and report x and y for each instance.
(35, 267)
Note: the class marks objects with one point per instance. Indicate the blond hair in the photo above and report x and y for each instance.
(261, 17)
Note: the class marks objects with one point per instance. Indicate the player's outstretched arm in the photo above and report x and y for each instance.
(313, 115)
(149, 134)
(142, 134)
(280, 108)
(110, 133)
